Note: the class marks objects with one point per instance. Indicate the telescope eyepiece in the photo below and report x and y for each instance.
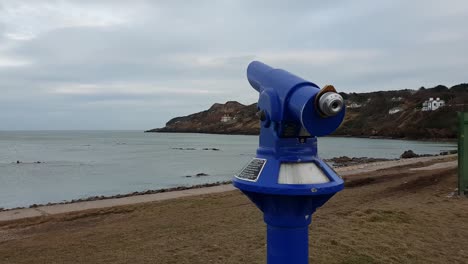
(330, 104)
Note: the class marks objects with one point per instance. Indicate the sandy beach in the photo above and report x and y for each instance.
(390, 212)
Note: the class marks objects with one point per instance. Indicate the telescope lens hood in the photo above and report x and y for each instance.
(330, 104)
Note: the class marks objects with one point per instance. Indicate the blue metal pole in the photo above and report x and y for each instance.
(287, 245)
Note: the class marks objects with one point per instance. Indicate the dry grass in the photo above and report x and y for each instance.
(401, 217)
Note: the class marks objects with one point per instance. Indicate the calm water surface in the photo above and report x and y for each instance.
(79, 164)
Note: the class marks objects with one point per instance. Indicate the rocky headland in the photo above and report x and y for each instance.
(240, 119)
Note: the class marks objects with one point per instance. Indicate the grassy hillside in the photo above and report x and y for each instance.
(373, 118)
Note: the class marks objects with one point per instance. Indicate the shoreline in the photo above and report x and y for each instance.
(337, 162)
(344, 136)
(175, 192)
(118, 196)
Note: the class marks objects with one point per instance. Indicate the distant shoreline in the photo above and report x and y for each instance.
(344, 136)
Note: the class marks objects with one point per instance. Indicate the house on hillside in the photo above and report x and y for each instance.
(353, 105)
(226, 118)
(395, 110)
(397, 99)
(432, 105)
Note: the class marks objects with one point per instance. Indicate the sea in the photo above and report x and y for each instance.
(38, 167)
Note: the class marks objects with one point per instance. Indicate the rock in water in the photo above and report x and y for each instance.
(409, 154)
(214, 149)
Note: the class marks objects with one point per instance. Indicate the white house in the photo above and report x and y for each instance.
(395, 110)
(396, 99)
(432, 105)
(226, 118)
(353, 105)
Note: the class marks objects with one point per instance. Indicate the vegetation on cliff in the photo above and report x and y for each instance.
(367, 115)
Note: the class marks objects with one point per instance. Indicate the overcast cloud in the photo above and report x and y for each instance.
(136, 64)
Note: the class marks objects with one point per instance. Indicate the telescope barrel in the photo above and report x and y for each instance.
(296, 99)
(262, 76)
(257, 74)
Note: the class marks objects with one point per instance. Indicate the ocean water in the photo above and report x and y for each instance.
(79, 164)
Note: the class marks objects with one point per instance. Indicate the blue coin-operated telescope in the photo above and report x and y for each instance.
(287, 180)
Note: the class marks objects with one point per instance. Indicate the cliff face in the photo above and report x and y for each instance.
(240, 119)
(368, 115)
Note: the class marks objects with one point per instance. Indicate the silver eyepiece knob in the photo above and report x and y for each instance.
(330, 104)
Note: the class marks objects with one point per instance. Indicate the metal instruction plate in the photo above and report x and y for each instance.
(252, 171)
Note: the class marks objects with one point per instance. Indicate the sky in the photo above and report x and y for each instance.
(86, 64)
